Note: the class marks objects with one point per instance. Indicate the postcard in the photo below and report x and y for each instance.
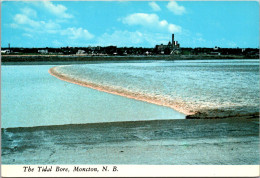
(129, 88)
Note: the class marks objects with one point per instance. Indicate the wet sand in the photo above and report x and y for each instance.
(171, 142)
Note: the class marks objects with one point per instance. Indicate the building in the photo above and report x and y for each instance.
(43, 51)
(80, 52)
(7, 51)
(169, 48)
(175, 44)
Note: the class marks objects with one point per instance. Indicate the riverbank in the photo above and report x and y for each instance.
(55, 59)
(160, 142)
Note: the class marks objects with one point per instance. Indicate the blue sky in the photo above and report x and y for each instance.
(129, 23)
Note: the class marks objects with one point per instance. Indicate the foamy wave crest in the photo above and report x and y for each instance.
(157, 99)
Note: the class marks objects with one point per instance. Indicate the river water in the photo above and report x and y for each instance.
(186, 85)
(32, 97)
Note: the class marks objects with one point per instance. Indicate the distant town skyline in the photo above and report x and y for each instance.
(227, 24)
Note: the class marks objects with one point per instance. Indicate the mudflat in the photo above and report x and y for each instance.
(173, 142)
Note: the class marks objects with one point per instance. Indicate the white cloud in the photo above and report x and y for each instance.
(35, 27)
(29, 12)
(175, 8)
(154, 6)
(151, 21)
(25, 20)
(58, 9)
(77, 33)
(28, 24)
(141, 19)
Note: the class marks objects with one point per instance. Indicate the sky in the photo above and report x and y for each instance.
(227, 24)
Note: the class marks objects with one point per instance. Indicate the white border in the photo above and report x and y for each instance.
(138, 170)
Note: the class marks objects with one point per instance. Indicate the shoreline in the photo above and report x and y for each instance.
(16, 59)
(199, 139)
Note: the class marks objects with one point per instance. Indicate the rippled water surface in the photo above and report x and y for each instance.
(200, 84)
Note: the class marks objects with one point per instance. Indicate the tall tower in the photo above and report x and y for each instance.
(9, 45)
(173, 43)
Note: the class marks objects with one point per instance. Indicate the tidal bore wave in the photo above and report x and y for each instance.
(178, 105)
(203, 97)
